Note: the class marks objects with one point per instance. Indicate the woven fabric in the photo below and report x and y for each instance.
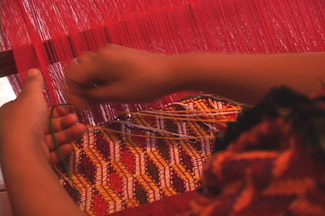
(146, 156)
(274, 163)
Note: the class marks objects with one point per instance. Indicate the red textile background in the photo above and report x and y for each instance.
(49, 34)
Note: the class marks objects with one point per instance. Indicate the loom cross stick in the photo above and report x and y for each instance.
(8, 63)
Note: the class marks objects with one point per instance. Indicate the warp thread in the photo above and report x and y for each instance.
(49, 34)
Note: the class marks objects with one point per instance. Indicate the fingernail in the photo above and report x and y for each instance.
(32, 72)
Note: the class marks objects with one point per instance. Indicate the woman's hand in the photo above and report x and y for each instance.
(27, 118)
(27, 147)
(120, 74)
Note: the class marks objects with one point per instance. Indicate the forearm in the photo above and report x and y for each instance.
(247, 78)
(32, 185)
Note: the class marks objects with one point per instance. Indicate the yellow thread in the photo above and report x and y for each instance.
(119, 166)
(148, 136)
(108, 193)
(182, 172)
(147, 182)
(159, 161)
(169, 191)
(184, 119)
(187, 111)
(190, 150)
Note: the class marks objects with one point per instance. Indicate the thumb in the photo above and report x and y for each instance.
(34, 82)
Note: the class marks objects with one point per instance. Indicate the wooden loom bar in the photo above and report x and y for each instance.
(7, 63)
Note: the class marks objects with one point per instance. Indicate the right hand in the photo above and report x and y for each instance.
(120, 74)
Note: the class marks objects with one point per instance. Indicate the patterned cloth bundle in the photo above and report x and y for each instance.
(274, 162)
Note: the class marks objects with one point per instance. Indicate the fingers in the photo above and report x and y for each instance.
(65, 136)
(83, 72)
(94, 70)
(79, 102)
(60, 111)
(116, 92)
(34, 83)
(86, 57)
(110, 93)
(80, 76)
(94, 96)
(62, 123)
(66, 130)
(66, 150)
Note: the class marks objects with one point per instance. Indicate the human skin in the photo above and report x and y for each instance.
(121, 74)
(28, 150)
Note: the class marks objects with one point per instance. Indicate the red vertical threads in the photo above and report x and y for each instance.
(51, 33)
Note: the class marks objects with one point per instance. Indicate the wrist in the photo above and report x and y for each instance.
(182, 71)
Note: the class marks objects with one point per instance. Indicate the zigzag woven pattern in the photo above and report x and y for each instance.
(145, 156)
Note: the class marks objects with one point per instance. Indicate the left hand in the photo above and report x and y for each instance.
(28, 117)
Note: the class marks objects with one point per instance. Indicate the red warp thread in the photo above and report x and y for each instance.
(48, 34)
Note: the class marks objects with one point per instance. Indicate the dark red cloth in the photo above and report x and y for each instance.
(174, 205)
(274, 161)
